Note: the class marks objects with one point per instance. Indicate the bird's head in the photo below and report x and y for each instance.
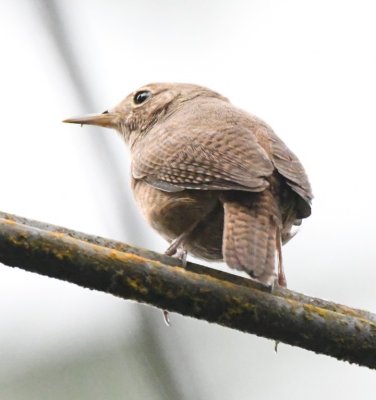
(145, 107)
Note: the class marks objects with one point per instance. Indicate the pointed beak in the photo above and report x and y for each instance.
(107, 119)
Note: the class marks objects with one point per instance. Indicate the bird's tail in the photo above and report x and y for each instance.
(252, 226)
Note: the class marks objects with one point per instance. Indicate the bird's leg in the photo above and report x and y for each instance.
(281, 273)
(176, 244)
(177, 250)
(181, 254)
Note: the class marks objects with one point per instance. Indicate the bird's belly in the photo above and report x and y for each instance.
(172, 214)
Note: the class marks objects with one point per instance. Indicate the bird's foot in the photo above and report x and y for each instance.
(181, 254)
(282, 280)
(269, 282)
(176, 244)
(176, 250)
(270, 287)
(166, 317)
(276, 343)
(278, 281)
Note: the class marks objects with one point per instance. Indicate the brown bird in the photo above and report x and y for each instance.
(210, 178)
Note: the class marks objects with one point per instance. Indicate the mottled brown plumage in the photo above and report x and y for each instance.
(210, 177)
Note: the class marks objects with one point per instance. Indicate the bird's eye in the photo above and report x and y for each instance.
(141, 97)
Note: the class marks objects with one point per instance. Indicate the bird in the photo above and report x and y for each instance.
(212, 179)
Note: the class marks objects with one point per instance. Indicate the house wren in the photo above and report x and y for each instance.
(210, 178)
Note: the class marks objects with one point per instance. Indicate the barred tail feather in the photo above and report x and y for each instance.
(251, 231)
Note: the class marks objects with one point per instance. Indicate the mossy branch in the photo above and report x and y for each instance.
(197, 291)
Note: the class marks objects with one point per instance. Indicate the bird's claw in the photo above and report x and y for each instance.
(276, 343)
(166, 317)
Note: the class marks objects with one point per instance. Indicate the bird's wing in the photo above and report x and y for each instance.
(229, 159)
(289, 166)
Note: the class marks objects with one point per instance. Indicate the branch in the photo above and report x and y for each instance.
(197, 291)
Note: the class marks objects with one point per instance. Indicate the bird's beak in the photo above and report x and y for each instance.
(106, 119)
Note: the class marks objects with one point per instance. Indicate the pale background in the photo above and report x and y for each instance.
(306, 67)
